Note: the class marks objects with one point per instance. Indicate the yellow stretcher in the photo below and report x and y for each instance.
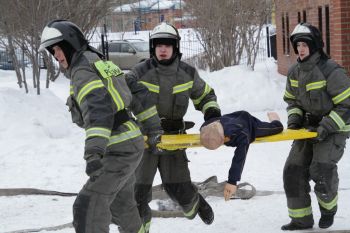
(180, 141)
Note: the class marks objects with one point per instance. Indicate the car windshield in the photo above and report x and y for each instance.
(141, 46)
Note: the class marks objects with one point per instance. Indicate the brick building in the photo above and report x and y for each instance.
(332, 17)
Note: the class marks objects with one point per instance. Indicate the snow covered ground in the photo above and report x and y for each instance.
(41, 148)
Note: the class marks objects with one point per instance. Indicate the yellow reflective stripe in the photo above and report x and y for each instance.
(210, 104)
(71, 90)
(132, 133)
(295, 111)
(330, 205)
(98, 132)
(299, 213)
(147, 226)
(142, 229)
(115, 95)
(182, 87)
(315, 85)
(294, 83)
(346, 128)
(207, 89)
(130, 125)
(288, 95)
(151, 87)
(87, 88)
(108, 69)
(337, 119)
(192, 211)
(339, 98)
(147, 114)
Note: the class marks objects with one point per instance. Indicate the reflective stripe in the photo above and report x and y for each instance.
(192, 211)
(132, 133)
(339, 98)
(299, 213)
(108, 70)
(337, 119)
(294, 83)
(87, 88)
(346, 128)
(209, 105)
(142, 229)
(147, 226)
(71, 90)
(288, 95)
(315, 85)
(207, 89)
(147, 114)
(98, 132)
(151, 87)
(295, 111)
(182, 87)
(330, 205)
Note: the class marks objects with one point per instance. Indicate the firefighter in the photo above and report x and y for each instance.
(98, 101)
(317, 93)
(172, 84)
(237, 129)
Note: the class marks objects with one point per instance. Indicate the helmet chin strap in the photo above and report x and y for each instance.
(169, 61)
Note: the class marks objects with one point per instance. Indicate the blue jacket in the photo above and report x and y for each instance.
(242, 129)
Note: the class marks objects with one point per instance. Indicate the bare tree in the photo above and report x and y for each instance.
(22, 22)
(229, 28)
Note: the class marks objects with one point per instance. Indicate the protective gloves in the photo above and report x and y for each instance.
(212, 113)
(294, 121)
(294, 126)
(322, 134)
(94, 166)
(153, 138)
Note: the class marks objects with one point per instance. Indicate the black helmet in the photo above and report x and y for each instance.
(309, 34)
(62, 30)
(166, 34)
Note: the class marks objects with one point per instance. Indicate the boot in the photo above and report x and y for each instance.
(327, 217)
(205, 212)
(292, 226)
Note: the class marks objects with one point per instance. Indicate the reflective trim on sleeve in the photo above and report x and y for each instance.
(289, 95)
(316, 85)
(207, 89)
(182, 87)
(339, 98)
(87, 88)
(294, 83)
(98, 132)
(71, 90)
(147, 114)
(147, 226)
(299, 213)
(151, 87)
(132, 133)
(330, 205)
(295, 111)
(209, 105)
(337, 119)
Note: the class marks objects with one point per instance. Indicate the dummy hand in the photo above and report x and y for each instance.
(229, 190)
(94, 166)
(153, 138)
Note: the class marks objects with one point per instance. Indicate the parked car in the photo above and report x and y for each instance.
(6, 62)
(127, 53)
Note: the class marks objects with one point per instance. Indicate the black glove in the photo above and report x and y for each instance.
(294, 126)
(212, 113)
(322, 134)
(153, 138)
(94, 166)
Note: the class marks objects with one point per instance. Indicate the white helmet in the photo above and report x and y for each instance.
(162, 32)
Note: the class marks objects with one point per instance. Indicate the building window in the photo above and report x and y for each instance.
(328, 39)
(320, 24)
(299, 17)
(287, 33)
(283, 35)
(304, 15)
